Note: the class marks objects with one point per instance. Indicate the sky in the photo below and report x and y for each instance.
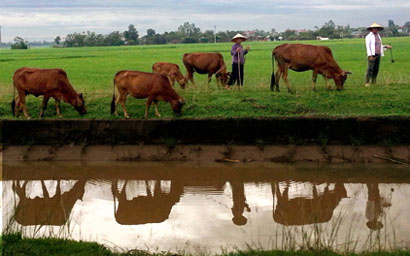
(37, 20)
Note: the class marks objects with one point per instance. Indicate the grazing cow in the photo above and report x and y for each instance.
(143, 85)
(303, 57)
(206, 63)
(171, 71)
(51, 83)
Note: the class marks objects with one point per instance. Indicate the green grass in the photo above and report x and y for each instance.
(91, 71)
(16, 245)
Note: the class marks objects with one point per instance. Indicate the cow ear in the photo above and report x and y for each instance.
(80, 95)
(347, 72)
(181, 101)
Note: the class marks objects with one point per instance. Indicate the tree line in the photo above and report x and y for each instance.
(189, 33)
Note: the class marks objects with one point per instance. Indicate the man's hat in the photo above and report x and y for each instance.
(375, 25)
(238, 36)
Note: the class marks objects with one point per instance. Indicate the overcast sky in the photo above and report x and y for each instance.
(46, 19)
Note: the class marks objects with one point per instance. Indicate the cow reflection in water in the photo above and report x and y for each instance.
(302, 210)
(46, 210)
(153, 208)
(239, 203)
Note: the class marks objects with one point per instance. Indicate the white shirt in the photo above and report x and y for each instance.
(371, 44)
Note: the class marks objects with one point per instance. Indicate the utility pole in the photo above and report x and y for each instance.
(215, 34)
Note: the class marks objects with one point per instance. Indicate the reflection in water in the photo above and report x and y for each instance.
(302, 210)
(239, 203)
(46, 210)
(166, 205)
(154, 207)
(374, 206)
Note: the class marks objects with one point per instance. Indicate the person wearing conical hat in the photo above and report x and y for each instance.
(374, 49)
(238, 60)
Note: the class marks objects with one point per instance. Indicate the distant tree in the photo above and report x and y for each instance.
(19, 43)
(150, 32)
(131, 35)
(114, 39)
(57, 40)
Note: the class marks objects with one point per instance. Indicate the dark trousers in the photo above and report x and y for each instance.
(373, 69)
(235, 75)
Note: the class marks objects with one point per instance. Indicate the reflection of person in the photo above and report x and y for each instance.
(374, 207)
(239, 203)
(374, 49)
(238, 60)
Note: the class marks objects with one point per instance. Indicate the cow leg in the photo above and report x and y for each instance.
(44, 106)
(277, 78)
(147, 106)
(209, 78)
(17, 107)
(45, 191)
(314, 79)
(156, 108)
(285, 78)
(58, 112)
(190, 76)
(21, 104)
(122, 100)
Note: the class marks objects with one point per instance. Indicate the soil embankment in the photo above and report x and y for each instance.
(273, 139)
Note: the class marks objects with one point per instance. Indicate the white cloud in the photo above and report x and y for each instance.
(45, 19)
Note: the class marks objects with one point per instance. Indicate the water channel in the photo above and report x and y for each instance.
(210, 207)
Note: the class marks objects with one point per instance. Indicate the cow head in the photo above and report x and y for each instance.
(79, 104)
(177, 106)
(223, 77)
(340, 79)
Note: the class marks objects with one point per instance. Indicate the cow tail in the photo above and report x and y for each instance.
(113, 98)
(13, 102)
(272, 80)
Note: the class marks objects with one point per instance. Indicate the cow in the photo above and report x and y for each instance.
(143, 85)
(51, 83)
(206, 63)
(303, 57)
(171, 71)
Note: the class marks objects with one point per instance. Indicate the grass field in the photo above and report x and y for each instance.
(91, 71)
(15, 245)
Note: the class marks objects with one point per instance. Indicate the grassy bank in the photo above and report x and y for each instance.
(91, 70)
(15, 245)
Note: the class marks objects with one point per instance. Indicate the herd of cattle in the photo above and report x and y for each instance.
(158, 86)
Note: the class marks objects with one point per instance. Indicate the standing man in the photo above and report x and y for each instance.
(374, 49)
(238, 60)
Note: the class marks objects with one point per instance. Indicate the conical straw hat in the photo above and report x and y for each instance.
(375, 25)
(238, 36)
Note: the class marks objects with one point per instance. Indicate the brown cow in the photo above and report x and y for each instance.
(143, 85)
(206, 63)
(51, 83)
(303, 57)
(171, 71)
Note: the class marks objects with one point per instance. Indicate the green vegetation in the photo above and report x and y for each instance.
(15, 245)
(91, 71)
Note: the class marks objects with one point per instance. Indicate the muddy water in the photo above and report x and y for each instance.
(210, 207)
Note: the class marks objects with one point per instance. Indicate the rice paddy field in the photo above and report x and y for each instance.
(91, 72)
